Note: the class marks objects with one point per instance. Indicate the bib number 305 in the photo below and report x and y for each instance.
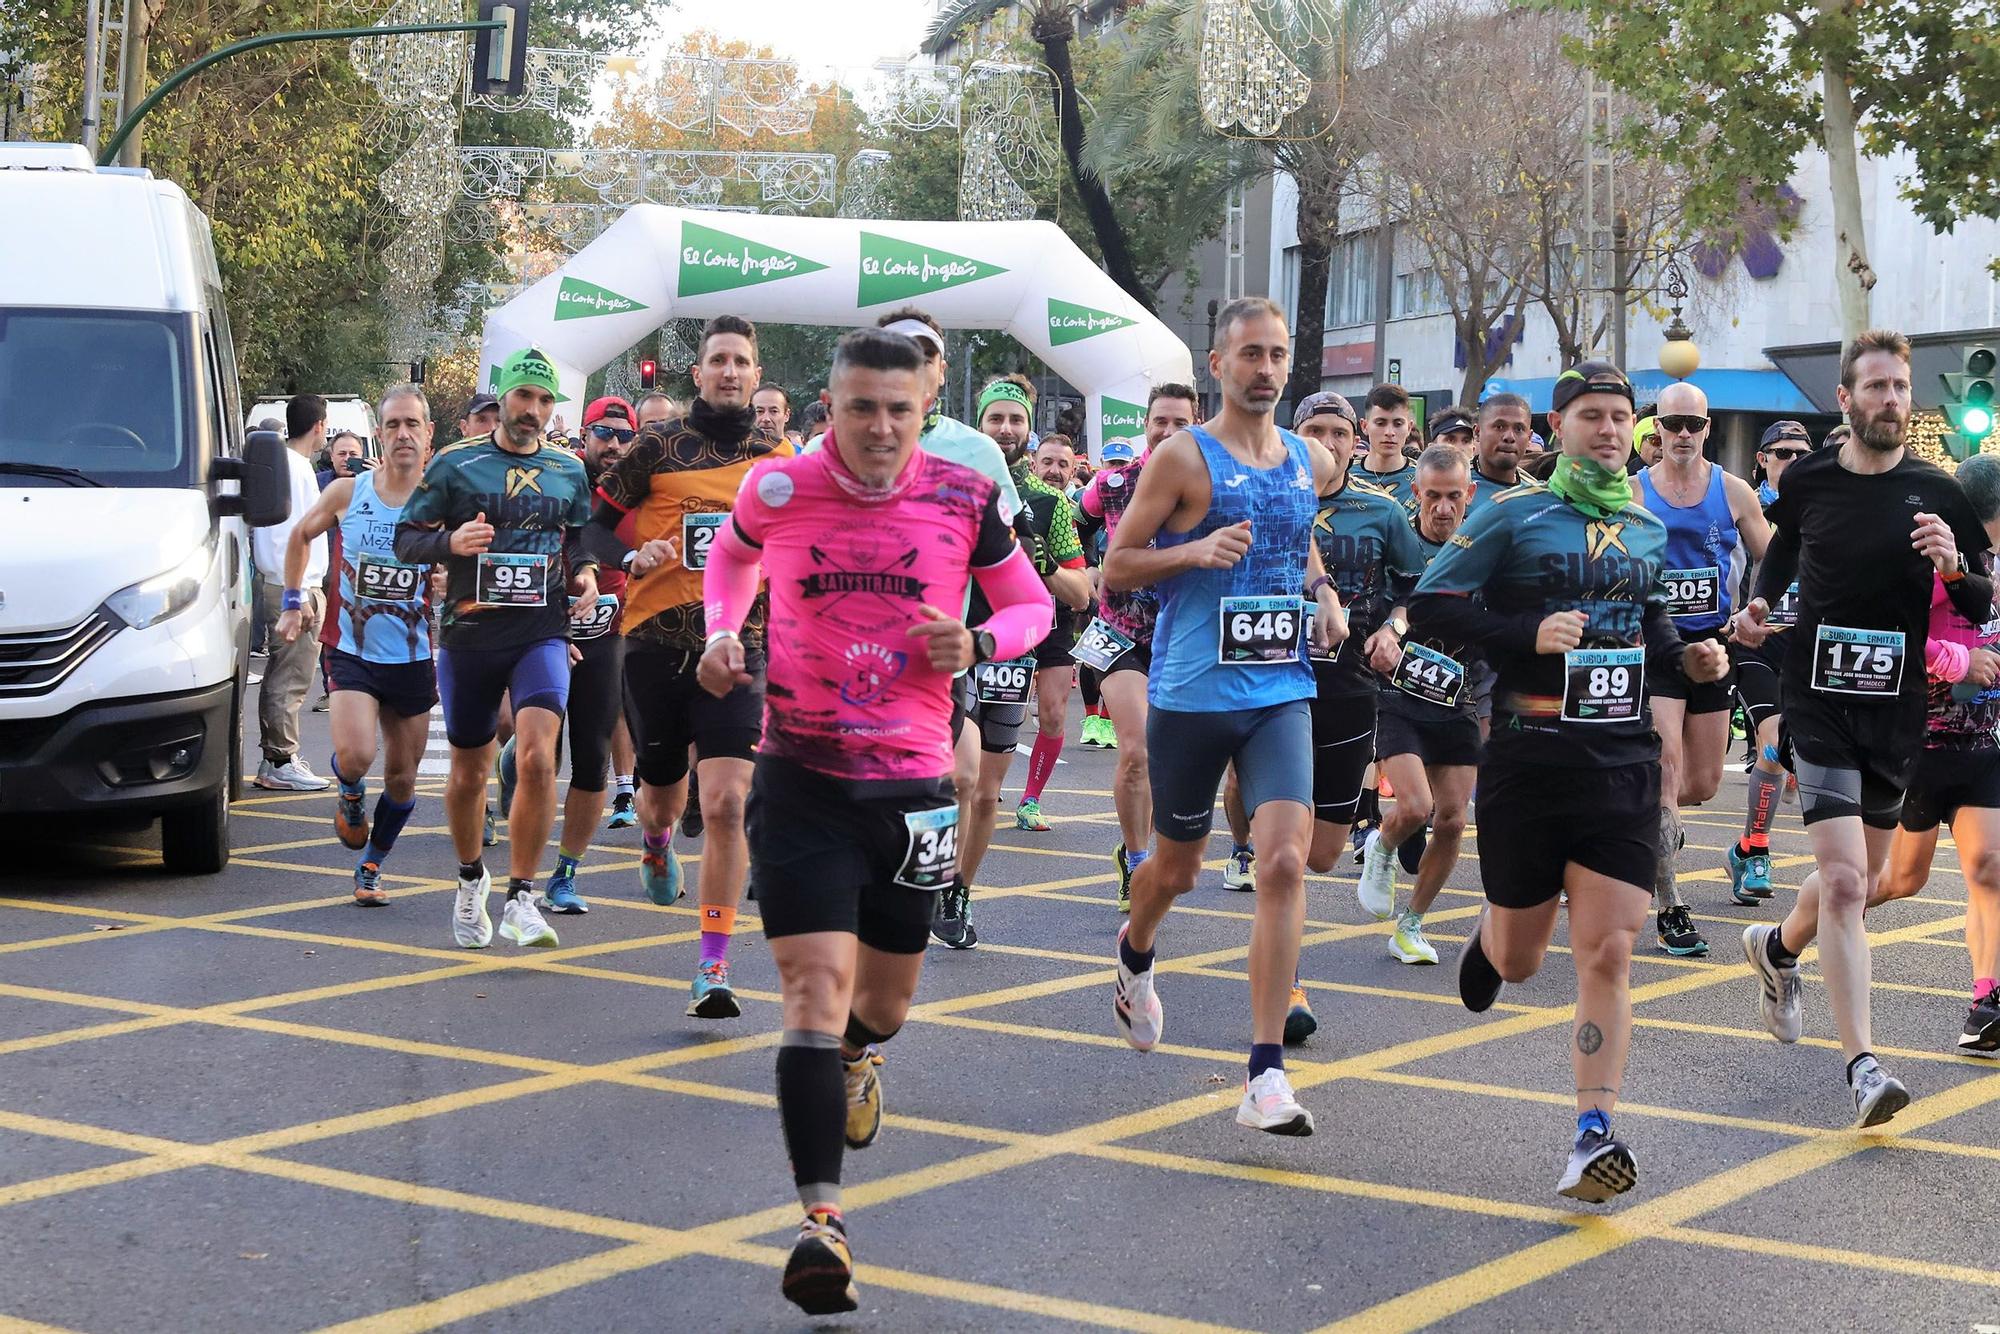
(931, 858)
(512, 579)
(1603, 685)
(1857, 662)
(1259, 631)
(1693, 592)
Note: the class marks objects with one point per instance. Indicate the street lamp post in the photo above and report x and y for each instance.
(1679, 357)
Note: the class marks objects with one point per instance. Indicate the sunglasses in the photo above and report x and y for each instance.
(603, 432)
(1795, 453)
(1683, 425)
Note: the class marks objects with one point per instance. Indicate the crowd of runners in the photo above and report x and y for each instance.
(820, 660)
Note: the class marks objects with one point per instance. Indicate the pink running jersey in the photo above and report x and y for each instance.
(850, 692)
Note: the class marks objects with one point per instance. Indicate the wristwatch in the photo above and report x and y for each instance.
(1400, 626)
(983, 646)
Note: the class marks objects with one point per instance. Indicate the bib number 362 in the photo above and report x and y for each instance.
(931, 858)
(1259, 631)
(1099, 645)
(1857, 662)
(512, 579)
(1603, 685)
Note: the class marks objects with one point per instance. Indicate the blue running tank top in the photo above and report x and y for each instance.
(384, 606)
(1188, 674)
(1703, 560)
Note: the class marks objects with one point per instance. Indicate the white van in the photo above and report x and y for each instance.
(126, 486)
(344, 412)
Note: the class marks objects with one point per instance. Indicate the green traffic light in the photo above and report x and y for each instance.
(1978, 422)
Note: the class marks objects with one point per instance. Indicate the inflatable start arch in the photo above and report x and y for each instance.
(1026, 278)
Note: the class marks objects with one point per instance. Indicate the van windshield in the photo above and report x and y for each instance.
(103, 392)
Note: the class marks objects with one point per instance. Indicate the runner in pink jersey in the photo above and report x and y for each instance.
(1120, 637)
(853, 817)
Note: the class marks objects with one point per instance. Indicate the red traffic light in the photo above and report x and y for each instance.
(649, 371)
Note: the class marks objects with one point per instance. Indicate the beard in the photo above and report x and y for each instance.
(1884, 432)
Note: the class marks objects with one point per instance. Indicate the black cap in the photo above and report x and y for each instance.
(479, 403)
(1784, 430)
(1452, 419)
(1590, 377)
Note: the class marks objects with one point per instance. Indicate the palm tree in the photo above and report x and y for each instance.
(1053, 27)
(1152, 120)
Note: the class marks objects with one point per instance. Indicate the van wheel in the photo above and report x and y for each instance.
(194, 840)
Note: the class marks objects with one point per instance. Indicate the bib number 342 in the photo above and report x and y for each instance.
(1603, 685)
(1857, 662)
(930, 859)
(1259, 631)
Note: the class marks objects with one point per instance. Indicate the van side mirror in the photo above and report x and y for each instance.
(264, 477)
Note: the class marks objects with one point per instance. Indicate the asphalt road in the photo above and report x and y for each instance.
(241, 1103)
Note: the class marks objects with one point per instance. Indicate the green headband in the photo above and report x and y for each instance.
(1002, 390)
(524, 368)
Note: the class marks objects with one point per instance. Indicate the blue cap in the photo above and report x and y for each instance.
(1117, 451)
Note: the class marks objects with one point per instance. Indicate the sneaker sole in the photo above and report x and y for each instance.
(819, 1284)
(1400, 955)
(1885, 1108)
(352, 837)
(1685, 951)
(1297, 1127)
(1605, 1177)
(1978, 1046)
(1300, 1025)
(547, 904)
(546, 941)
(375, 899)
(717, 1004)
(1239, 886)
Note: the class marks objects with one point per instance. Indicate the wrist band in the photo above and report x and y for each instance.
(1313, 588)
(294, 600)
(717, 636)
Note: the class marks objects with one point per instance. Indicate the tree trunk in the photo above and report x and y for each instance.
(1055, 32)
(1318, 222)
(1853, 276)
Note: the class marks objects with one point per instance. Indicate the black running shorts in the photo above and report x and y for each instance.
(1701, 696)
(1444, 740)
(1947, 781)
(1343, 748)
(1535, 820)
(668, 710)
(823, 858)
(1851, 760)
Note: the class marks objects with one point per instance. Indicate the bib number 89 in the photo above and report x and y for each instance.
(1609, 682)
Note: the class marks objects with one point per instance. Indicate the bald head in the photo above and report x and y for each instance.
(1681, 399)
(1682, 415)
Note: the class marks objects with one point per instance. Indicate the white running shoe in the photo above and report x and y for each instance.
(291, 776)
(1407, 943)
(1778, 998)
(1135, 1005)
(1269, 1105)
(523, 923)
(471, 928)
(1878, 1095)
(1377, 887)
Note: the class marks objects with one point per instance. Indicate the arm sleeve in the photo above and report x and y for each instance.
(1443, 604)
(1971, 596)
(1404, 563)
(601, 536)
(729, 585)
(1945, 660)
(1065, 547)
(421, 538)
(1779, 566)
(1023, 611)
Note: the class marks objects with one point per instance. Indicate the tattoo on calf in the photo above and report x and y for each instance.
(1589, 1037)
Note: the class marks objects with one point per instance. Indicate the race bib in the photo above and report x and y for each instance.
(931, 859)
(1308, 610)
(697, 536)
(1004, 682)
(1099, 645)
(1693, 592)
(386, 580)
(1857, 662)
(1429, 675)
(602, 617)
(1786, 613)
(1602, 685)
(512, 579)
(1259, 631)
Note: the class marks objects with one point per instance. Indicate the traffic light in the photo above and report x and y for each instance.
(418, 368)
(1968, 403)
(500, 55)
(649, 371)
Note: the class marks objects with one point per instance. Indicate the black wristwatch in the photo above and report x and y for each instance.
(983, 646)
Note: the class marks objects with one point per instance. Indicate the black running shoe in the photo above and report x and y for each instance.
(691, 825)
(953, 923)
(1357, 838)
(1412, 851)
(1982, 1026)
(1677, 933)
(1599, 1169)
(1478, 984)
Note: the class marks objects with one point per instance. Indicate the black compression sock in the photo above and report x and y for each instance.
(473, 869)
(516, 887)
(1775, 951)
(1864, 1056)
(812, 1104)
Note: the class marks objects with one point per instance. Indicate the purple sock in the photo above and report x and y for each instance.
(1266, 1056)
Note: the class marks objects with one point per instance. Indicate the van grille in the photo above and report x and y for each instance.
(37, 661)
